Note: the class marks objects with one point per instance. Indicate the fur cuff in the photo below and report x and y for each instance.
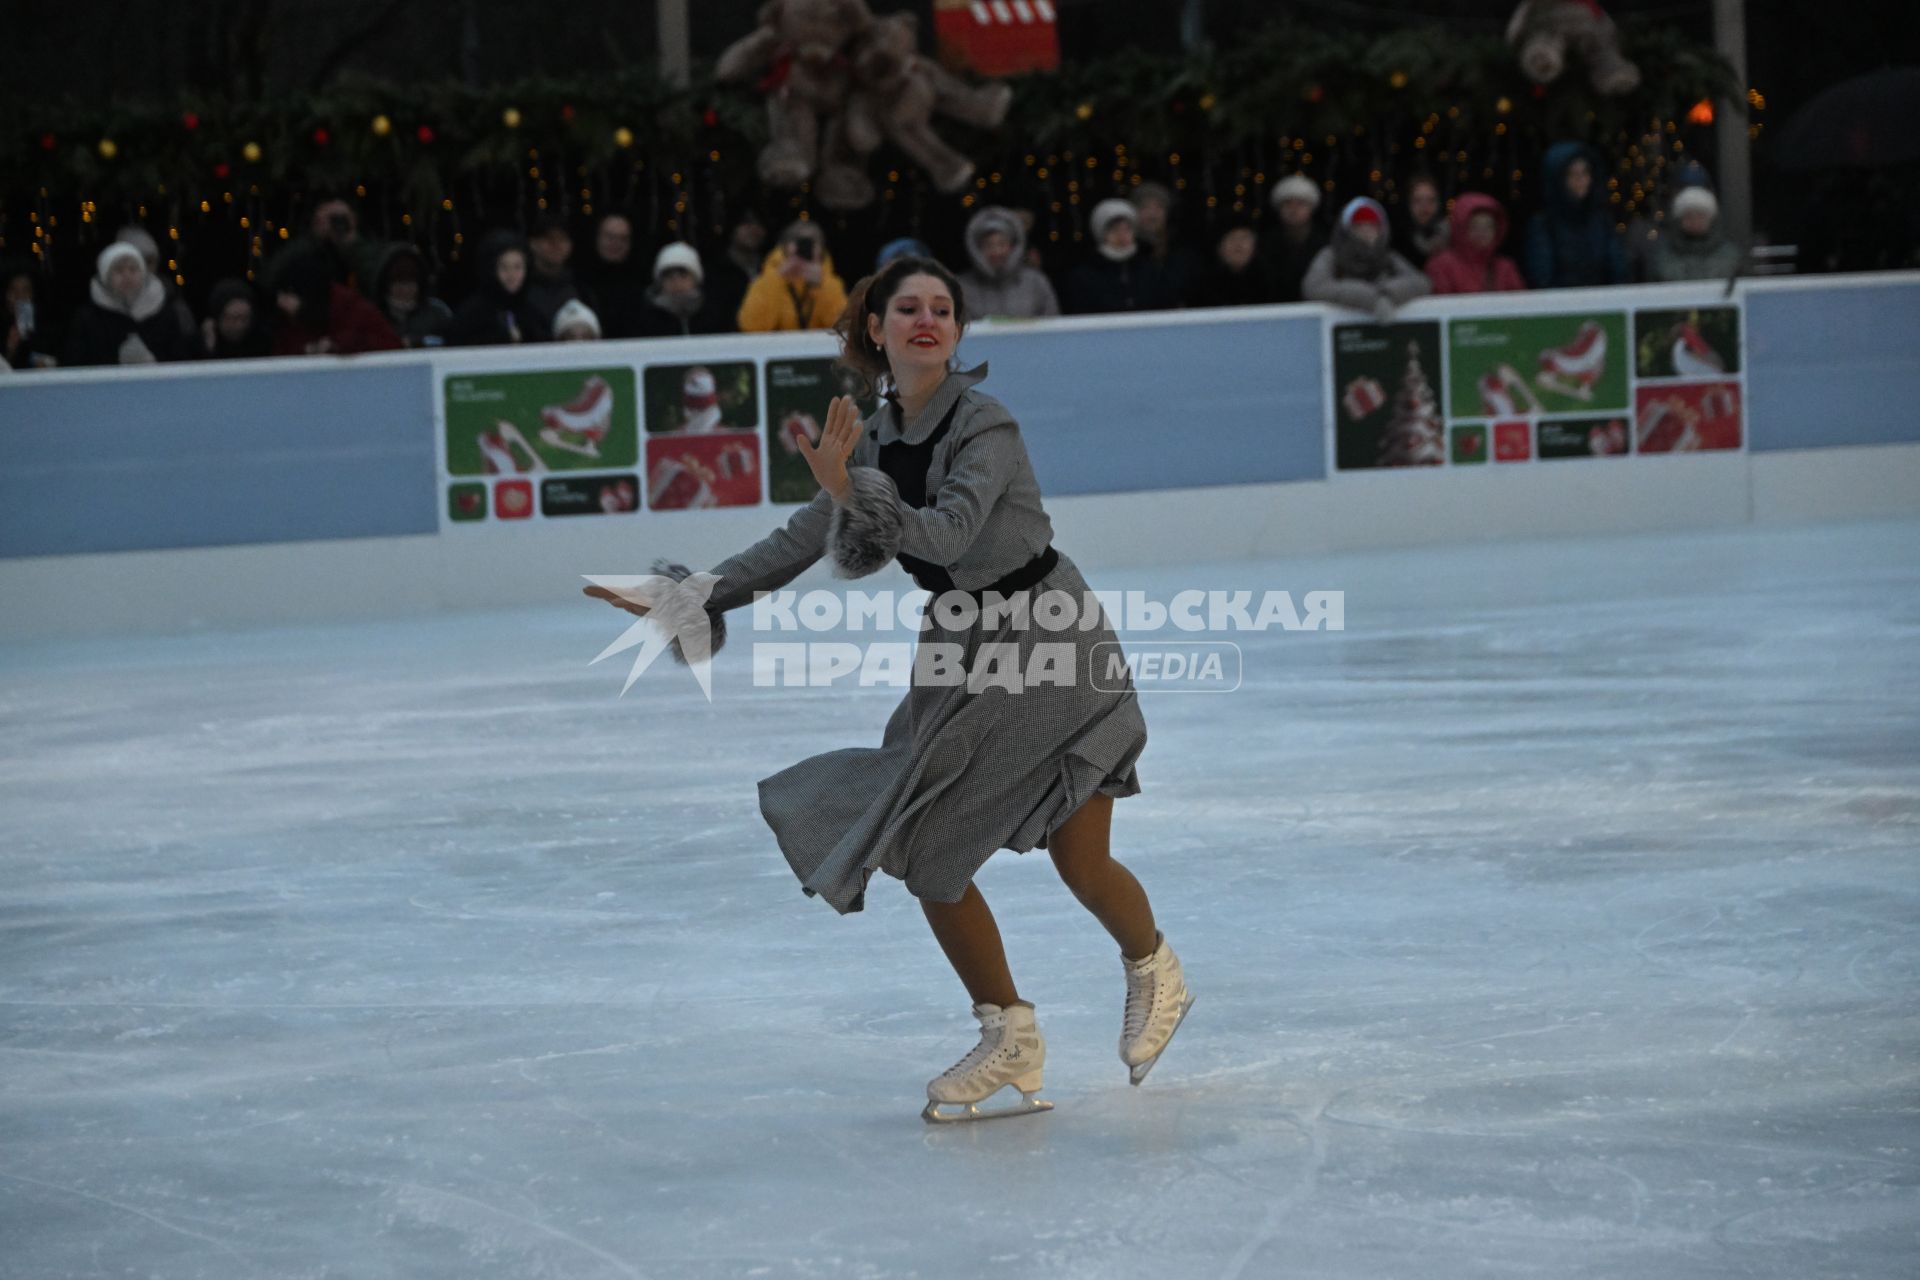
(863, 533)
(679, 610)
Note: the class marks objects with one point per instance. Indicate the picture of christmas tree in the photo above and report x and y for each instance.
(1415, 436)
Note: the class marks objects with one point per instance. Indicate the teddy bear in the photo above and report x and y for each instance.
(897, 92)
(1542, 30)
(798, 56)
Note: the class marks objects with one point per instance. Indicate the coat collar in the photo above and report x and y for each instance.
(887, 425)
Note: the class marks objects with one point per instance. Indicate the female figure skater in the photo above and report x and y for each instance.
(940, 481)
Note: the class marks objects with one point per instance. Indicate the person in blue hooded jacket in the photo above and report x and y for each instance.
(1571, 242)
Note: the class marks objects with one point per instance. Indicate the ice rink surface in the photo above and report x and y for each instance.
(1560, 917)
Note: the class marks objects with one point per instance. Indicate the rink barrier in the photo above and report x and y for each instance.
(1156, 438)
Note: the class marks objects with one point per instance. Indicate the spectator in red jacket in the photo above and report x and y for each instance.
(315, 316)
(1472, 262)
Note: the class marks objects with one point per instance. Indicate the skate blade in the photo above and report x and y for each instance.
(1136, 1074)
(971, 1111)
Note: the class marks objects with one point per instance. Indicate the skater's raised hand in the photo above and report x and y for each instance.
(828, 459)
(617, 600)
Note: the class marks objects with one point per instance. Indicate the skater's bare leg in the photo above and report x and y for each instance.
(1103, 886)
(971, 939)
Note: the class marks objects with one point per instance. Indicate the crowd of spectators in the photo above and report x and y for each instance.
(333, 291)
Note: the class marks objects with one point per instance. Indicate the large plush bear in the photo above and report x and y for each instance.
(799, 57)
(1542, 30)
(897, 92)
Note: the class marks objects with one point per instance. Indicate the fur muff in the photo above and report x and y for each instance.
(864, 532)
(679, 609)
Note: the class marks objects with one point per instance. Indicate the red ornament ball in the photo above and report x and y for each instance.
(710, 117)
(424, 133)
(189, 121)
(1316, 93)
(321, 137)
(48, 142)
(222, 170)
(566, 112)
(1539, 91)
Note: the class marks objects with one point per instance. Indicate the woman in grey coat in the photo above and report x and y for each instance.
(940, 482)
(1360, 269)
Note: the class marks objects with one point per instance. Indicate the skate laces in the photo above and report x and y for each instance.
(991, 1040)
(1142, 987)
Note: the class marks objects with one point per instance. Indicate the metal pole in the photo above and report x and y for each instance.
(676, 42)
(1730, 127)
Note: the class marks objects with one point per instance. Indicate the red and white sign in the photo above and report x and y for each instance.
(998, 37)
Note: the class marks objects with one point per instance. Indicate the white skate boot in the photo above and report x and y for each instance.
(1011, 1052)
(1157, 1003)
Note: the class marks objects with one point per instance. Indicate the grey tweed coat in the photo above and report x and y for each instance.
(961, 771)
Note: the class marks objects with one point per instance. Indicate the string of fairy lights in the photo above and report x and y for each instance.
(693, 192)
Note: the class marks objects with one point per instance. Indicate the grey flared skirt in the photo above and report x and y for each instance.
(961, 773)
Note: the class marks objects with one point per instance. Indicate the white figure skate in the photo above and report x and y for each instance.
(1573, 370)
(1157, 1003)
(498, 448)
(580, 426)
(1011, 1052)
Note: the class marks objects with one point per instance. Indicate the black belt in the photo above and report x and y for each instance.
(936, 579)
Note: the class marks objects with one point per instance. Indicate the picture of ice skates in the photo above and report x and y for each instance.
(1515, 366)
(506, 451)
(1573, 370)
(1505, 394)
(582, 423)
(541, 422)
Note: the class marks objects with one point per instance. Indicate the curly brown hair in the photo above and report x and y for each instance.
(859, 354)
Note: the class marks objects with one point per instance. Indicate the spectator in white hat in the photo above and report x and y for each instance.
(575, 322)
(1300, 238)
(126, 319)
(678, 304)
(1118, 277)
(1692, 247)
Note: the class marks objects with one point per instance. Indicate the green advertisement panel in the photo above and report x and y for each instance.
(798, 393)
(1514, 366)
(550, 420)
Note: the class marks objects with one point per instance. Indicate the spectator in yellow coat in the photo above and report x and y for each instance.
(797, 287)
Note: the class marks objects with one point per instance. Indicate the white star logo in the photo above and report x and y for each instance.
(677, 612)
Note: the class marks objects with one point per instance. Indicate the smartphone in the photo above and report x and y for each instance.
(804, 248)
(23, 317)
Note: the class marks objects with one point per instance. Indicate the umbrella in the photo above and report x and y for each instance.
(1866, 122)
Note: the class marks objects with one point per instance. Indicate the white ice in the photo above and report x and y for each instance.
(1558, 918)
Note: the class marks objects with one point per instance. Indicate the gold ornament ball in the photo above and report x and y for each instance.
(623, 137)
(510, 118)
(1084, 111)
(1503, 106)
(1398, 79)
(382, 126)
(251, 152)
(1206, 102)
(108, 148)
